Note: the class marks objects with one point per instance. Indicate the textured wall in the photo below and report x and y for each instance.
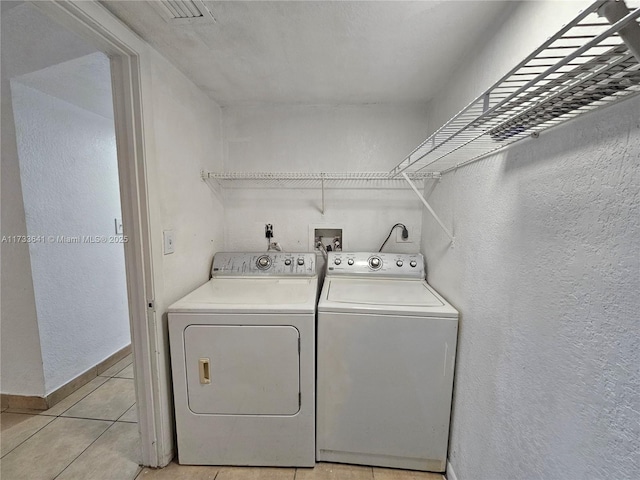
(544, 271)
(22, 372)
(23, 29)
(546, 275)
(321, 139)
(69, 174)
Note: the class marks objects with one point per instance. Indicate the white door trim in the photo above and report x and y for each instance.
(97, 25)
(451, 475)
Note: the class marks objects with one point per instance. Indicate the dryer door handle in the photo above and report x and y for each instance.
(205, 371)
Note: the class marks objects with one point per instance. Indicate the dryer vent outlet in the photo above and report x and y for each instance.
(330, 238)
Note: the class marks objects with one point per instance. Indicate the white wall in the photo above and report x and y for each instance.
(23, 28)
(183, 135)
(545, 273)
(21, 370)
(188, 138)
(69, 174)
(323, 138)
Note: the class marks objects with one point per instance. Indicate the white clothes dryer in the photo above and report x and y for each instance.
(243, 362)
(386, 356)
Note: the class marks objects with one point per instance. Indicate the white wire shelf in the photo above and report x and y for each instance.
(305, 177)
(586, 65)
(320, 180)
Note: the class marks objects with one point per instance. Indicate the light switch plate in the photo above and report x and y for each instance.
(169, 242)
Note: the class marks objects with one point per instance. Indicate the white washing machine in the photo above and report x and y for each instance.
(386, 355)
(243, 362)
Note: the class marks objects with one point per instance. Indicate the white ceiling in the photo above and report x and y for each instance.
(320, 52)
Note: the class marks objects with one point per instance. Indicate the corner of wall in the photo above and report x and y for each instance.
(450, 474)
(24, 374)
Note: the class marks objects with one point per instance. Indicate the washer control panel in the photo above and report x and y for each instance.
(264, 263)
(402, 265)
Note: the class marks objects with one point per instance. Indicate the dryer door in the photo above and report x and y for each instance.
(242, 369)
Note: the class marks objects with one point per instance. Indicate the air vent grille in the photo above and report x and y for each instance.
(183, 11)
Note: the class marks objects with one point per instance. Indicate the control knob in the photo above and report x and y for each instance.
(337, 261)
(350, 261)
(287, 261)
(375, 263)
(263, 262)
(413, 263)
(399, 263)
(300, 261)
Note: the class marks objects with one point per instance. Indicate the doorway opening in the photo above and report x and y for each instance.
(66, 280)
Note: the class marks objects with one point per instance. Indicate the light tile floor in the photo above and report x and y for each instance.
(90, 435)
(322, 471)
(93, 435)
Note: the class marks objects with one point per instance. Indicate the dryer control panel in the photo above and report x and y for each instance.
(264, 264)
(395, 265)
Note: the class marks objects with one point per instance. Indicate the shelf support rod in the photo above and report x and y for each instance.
(322, 178)
(426, 204)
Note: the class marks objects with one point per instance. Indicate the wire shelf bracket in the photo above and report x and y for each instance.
(428, 207)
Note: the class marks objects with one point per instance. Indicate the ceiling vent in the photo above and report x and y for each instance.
(181, 12)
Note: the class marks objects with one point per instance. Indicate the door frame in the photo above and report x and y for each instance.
(127, 51)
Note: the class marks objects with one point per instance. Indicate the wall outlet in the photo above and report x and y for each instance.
(409, 239)
(169, 242)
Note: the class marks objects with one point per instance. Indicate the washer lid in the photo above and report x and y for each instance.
(270, 294)
(385, 296)
(383, 292)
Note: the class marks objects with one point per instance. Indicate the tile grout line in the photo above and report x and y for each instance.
(48, 423)
(139, 474)
(78, 456)
(83, 397)
(103, 419)
(122, 369)
(113, 422)
(114, 375)
(60, 416)
(44, 415)
(98, 419)
(123, 414)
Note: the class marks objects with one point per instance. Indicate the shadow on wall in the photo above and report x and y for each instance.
(565, 141)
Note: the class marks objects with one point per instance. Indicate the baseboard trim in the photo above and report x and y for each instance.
(451, 475)
(29, 402)
(109, 362)
(23, 402)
